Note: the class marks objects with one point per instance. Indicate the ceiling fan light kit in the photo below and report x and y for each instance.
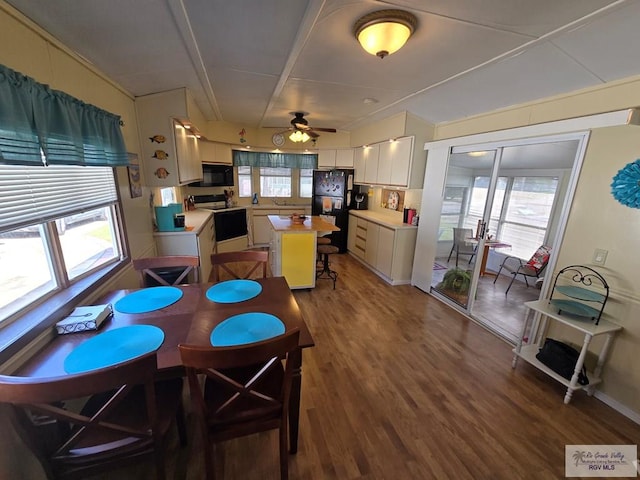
(384, 32)
(300, 130)
(299, 136)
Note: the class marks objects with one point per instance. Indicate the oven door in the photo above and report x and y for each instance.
(230, 224)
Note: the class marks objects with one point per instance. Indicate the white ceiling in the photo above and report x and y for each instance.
(254, 61)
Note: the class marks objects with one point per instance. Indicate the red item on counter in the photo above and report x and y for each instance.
(412, 213)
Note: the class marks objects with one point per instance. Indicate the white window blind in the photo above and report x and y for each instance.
(32, 195)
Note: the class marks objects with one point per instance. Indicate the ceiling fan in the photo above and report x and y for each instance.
(301, 131)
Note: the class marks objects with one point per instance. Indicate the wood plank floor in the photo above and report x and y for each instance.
(400, 386)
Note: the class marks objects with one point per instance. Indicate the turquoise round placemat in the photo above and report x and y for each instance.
(233, 291)
(148, 299)
(112, 347)
(246, 328)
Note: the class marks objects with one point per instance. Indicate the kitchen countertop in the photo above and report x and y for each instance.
(193, 218)
(382, 219)
(282, 223)
(264, 206)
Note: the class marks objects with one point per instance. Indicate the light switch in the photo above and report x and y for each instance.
(599, 256)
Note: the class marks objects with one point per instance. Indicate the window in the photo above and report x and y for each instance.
(453, 205)
(167, 196)
(244, 181)
(306, 182)
(275, 182)
(521, 210)
(47, 246)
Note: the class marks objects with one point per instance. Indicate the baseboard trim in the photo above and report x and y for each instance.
(618, 407)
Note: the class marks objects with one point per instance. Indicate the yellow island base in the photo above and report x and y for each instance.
(293, 248)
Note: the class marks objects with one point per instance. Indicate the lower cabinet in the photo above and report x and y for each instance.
(385, 250)
(186, 243)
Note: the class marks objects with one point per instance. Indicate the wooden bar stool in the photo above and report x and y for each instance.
(326, 272)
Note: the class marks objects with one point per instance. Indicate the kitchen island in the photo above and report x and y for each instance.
(293, 248)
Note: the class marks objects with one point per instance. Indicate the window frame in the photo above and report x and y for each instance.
(26, 325)
(299, 182)
(497, 224)
(289, 176)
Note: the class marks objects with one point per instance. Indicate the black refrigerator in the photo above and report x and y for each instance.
(331, 199)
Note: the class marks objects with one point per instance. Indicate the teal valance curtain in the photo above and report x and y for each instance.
(275, 160)
(35, 119)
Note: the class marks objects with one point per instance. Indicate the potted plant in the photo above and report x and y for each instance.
(456, 281)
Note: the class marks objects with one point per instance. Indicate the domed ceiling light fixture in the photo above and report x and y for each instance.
(383, 32)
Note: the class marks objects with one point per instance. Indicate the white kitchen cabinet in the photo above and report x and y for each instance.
(401, 161)
(385, 250)
(384, 258)
(170, 154)
(351, 234)
(214, 152)
(385, 163)
(358, 165)
(389, 163)
(395, 162)
(187, 154)
(344, 158)
(198, 243)
(371, 158)
(340, 158)
(262, 226)
(371, 250)
(326, 159)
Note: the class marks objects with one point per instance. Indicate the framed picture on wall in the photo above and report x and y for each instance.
(135, 185)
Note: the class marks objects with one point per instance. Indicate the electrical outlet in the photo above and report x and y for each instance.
(599, 256)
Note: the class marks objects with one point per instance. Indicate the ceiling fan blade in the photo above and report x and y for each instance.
(330, 130)
(301, 126)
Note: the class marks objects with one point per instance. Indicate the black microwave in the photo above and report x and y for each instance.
(215, 176)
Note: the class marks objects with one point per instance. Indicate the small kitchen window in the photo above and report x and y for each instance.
(306, 182)
(244, 181)
(275, 182)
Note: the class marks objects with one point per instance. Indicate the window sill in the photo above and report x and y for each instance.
(21, 332)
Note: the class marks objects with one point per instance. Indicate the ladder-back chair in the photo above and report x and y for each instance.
(155, 270)
(242, 264)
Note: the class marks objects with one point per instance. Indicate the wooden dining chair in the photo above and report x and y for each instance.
(81, 424)
(168, 270)
(246, 391)
(242, 264)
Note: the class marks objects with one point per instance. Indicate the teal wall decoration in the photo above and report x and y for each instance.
(625, 187)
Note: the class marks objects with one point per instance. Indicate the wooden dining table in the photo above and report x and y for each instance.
(189, 321)
(488, 243)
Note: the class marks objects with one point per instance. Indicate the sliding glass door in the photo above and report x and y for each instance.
(460, 248)
(499, 206)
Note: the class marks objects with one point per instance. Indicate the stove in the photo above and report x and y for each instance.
(210, 202)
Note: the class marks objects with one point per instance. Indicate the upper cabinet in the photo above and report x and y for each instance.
(326, 159)
(340, 158)
(170, 153)
(391, 163)
(371, 155)
(214, 152)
